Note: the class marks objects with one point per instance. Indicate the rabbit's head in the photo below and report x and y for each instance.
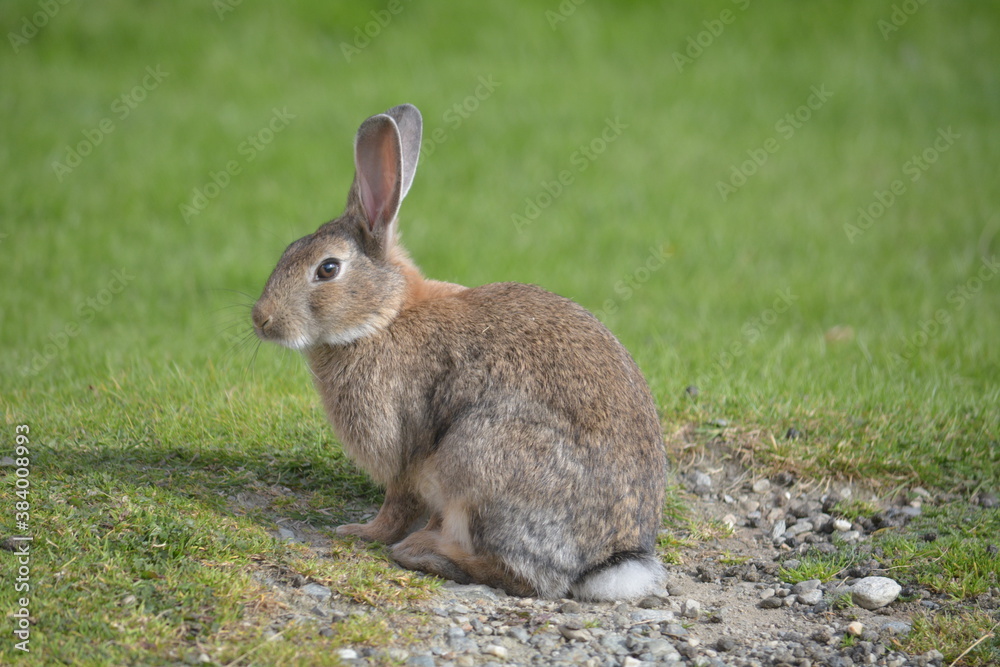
(348, 279)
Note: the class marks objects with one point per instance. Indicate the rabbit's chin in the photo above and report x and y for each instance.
(348, 336)
(303, 342)
(297, 343)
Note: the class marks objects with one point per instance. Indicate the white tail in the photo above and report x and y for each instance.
(627, 580)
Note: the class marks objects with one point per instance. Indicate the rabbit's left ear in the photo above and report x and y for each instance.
(386, 150)
(410, 126)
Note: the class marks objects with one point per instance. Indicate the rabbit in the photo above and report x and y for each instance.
(506, 417)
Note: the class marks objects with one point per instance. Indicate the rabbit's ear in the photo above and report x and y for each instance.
(410, 126)
(378, 159)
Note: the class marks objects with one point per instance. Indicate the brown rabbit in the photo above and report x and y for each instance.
(507, 415)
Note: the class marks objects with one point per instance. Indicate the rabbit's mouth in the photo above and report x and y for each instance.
(271, 330)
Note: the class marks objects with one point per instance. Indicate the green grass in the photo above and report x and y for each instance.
(124, 324)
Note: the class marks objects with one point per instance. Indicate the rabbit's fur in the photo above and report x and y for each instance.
(508, 416)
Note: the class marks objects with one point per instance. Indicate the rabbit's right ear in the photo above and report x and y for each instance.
(411, 126)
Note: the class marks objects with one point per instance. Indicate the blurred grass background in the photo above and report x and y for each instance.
(125, 314)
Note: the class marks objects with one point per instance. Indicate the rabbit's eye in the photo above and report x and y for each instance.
(328, 269)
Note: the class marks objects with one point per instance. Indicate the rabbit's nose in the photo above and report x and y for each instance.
(260, 318)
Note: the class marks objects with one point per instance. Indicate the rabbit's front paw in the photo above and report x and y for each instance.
(369, 532)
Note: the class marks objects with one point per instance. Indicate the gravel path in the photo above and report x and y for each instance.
(725, 605)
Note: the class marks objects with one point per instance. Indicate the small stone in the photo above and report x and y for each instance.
(792, 564)
(702, 482)
(874, 592)
(397, 654)
(287, 535)
(691, 390)
(778, 531)
(660, 647)
(806, 586)
(421, 661)
(496, 651)
(897, 628)
(821, 636)
(730, 520)
(799, 528)
(855, 628)
(571, 607)
(762, 486)
(675, 630)
(841, 525)
(649, 602)
(520, 634)
(347, 654)
(204, 658)
(614, 644)
(793, 434)
(690, 609)
(629, 661)
(802, 510)
(6, 462)
(809, 597)
(725, 644)
(317, 591)
(574, 634)
(772, 602)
